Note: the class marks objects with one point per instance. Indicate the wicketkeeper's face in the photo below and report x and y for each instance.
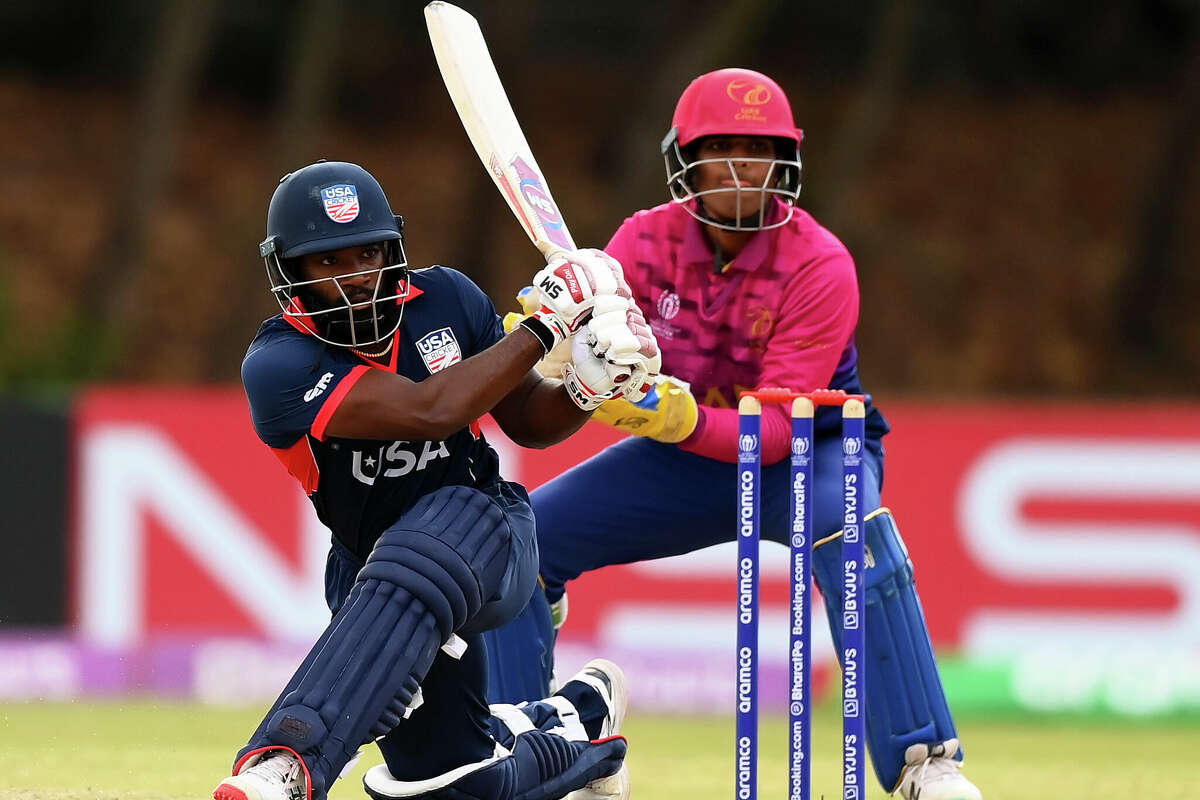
(730, 172)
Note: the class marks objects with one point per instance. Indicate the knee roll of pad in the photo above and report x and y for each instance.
(451, 548)
(541, 766)
(429, 570)
(905, 701)
(471, 524)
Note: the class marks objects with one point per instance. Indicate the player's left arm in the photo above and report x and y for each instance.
(539, 412)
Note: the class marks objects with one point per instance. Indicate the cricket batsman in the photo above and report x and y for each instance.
(368, 386)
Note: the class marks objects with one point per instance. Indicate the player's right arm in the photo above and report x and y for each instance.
(383, 405)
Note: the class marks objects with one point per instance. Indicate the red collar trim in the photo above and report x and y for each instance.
(410, 292)
(302, 324)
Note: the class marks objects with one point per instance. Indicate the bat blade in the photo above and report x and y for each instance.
(486, 114)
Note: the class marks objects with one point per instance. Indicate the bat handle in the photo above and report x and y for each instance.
(551, 251)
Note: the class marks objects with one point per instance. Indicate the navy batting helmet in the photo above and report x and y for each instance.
(327, 206)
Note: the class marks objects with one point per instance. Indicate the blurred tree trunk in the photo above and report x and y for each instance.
(857, 137)
(1153, 278)
(721, 36)
(308, 89)
(179, 46)
(308, 82)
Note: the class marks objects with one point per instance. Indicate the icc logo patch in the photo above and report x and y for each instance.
(439, 349)
(340, 202)
(747, 443)
(668, 305)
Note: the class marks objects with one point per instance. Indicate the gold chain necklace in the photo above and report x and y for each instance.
(382, 352)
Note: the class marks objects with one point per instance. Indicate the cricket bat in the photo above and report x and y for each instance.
(471, 79)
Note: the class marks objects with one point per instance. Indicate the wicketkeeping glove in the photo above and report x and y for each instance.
(668, 413)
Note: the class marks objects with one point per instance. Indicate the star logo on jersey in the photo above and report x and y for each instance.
(341, 202)
(439, 349)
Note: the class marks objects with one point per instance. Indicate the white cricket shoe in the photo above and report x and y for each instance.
(276, 775)
(606, 678)
(932, 773)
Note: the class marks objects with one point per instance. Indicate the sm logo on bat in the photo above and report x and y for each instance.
(535, 195)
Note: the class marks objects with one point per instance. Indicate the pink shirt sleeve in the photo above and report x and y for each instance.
(816, 321)
(621, 247)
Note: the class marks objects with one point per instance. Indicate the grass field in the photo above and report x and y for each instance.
(159, 751)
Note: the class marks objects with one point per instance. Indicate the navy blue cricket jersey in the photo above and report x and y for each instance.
(294, 382)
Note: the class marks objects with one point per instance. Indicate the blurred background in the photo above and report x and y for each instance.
(1017, 181)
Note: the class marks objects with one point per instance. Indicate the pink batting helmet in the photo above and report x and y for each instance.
(733, 102)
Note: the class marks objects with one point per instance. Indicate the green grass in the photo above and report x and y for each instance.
(144, 750)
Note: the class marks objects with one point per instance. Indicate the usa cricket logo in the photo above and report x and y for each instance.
(439, 349)
(341, 202)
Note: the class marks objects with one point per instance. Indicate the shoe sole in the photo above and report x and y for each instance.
(226, 792)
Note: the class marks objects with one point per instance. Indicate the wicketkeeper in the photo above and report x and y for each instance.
(742, 290)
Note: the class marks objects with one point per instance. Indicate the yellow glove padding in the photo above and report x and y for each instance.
(528, 298)
(552, 365)
(668, 413)
(511, 320)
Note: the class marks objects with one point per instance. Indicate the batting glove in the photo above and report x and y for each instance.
(590, 379)
(623, 338)
(570, 288)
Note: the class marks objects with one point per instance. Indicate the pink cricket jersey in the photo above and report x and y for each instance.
(782, 313)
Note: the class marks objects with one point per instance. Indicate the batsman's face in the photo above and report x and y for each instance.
(733, 169)
(345, 276)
